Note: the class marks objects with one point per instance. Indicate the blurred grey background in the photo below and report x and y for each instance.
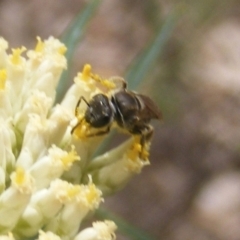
(191, 190)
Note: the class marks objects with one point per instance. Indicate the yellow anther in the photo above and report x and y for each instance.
(137, 147)
(92, 195)
(40, 45)
(20, 176)
(16, 55)
(108, 84)
(145, 154)
(3, 78)
(105, 82)
(70, 158)
(62, 50)
(82, 130)
(73, 191)
(134, 151)
(22, 181)
(86, 73)
(96, 77)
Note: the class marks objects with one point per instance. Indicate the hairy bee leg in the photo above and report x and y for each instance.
(99, 133)
(77, 113)
(145, 137)
(76, 126)
(124, 85)
(149, 133)
(78, 104)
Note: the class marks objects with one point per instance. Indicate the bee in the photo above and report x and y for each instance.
(131, 111)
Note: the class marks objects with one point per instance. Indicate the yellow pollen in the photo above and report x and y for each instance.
(105, 82)
(62, 50)
(70, 158)
(73, 191)
(82, 130)
(137, 139)
(145, 155)
(134, 151)
(40, 45)
(20, 176)
(86, 73)
(137, 150)
(96, 77)
(108, 84)
(92, 195)
(3, 77)
(16, 55)
(137, 147)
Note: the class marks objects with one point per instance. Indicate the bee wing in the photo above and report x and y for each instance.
(150, 109)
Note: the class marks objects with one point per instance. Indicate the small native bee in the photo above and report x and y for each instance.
(131, 111)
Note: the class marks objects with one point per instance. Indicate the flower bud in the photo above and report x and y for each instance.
(99, 231)
(124, 161)
(14, 200)
(84, 198)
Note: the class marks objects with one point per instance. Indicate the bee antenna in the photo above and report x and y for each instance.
(119, 80)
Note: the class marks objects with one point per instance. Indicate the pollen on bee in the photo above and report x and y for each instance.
(137, 150)
(81, 130)
(108, 84)
(145, 154)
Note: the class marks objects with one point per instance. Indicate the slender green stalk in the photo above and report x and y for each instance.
(71, 39)
(147, 59)
(124, 227)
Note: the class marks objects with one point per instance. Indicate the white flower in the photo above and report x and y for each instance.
(48, 178)
(83, 199)
(14, 199)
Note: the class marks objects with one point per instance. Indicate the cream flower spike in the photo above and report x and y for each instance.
(48, 177)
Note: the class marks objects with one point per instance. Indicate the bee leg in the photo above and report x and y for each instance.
(78, 104)
(146, 135)
(149, 133)
(76, 126)
(99, 133)
(116, 80)
(124, 85)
